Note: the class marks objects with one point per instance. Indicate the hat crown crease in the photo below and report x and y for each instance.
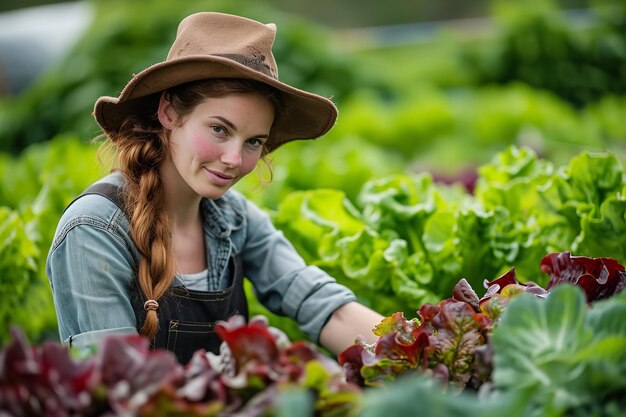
(242, 40)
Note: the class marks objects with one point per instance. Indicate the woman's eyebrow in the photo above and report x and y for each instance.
(226, 122)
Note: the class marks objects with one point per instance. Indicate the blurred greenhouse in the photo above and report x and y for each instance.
(421, 89)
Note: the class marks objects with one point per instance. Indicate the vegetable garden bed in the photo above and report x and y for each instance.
(520, 349)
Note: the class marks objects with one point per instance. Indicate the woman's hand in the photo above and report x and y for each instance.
(348, 322)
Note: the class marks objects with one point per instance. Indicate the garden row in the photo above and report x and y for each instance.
(407, 239)
(403, 241)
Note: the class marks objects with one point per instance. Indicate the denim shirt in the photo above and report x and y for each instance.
(93, 261)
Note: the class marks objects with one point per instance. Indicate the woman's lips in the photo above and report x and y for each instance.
(219, 177)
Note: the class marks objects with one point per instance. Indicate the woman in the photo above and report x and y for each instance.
(161, 245)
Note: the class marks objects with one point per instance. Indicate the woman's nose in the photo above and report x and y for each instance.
(231, 155)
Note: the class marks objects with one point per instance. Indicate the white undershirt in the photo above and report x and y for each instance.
(198, 281)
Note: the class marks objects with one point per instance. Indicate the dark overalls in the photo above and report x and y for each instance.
(186, 317)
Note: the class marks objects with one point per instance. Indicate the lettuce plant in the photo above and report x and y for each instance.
(441, 342)
(407, 240)
(127, 378)
(451, 340)
(568, 356)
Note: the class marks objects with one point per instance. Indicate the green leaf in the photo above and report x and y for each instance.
(535, 342)
(593, 177)
(294, 401)
(314, 220)
(567, 355)
(603, 231)
(420, 396)
(399, 205)
(18, 270)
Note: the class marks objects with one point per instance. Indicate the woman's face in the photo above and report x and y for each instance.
(219, 142)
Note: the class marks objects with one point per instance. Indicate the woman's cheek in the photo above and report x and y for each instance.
(204, 148)
(249, 164)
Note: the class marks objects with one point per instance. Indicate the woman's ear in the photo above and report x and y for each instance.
(165, 112)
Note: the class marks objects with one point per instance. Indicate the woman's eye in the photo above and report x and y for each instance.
(218, 129)
(255, 143)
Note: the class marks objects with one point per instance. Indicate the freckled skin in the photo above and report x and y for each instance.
(219, 143)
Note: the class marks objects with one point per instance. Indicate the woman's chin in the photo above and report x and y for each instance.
(213, 192)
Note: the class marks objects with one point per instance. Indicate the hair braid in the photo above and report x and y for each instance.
(144, 198)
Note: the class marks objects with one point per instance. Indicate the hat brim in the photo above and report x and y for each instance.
(305, 116)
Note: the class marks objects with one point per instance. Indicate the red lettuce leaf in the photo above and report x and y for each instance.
(394, 356)
(463, 291)
(351, 360)
(397, 323)
(502, 289)
(44, 380)
(459, 330)
(202, 383)
(400, 348)
(132, 372)
(248, 341)
(599, 277)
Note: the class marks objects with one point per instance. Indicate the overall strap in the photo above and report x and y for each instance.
(110, 191)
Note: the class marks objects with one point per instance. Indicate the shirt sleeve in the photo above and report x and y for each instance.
(91, 274)
(283, 283)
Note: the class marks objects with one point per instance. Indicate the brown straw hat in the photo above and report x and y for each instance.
(218, 45)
